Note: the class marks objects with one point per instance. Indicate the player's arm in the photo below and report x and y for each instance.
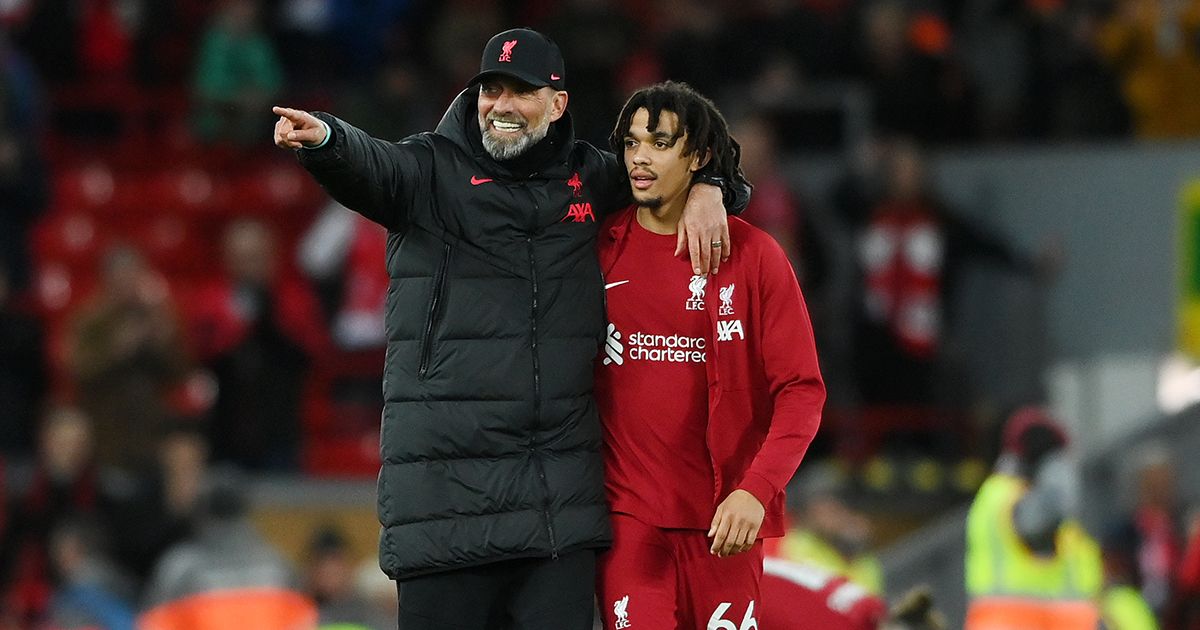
(789, 358)
(373, 177)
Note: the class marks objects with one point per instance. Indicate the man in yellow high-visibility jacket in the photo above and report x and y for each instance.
(1029, 564)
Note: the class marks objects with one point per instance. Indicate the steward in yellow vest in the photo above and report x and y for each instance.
(1029, 566)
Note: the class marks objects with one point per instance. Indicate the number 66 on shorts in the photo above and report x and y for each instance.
(718, 621)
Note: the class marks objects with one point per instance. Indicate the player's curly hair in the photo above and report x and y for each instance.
(699, 118)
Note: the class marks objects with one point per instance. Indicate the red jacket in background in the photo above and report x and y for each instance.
(217, 326)
(799, 597)
(765, 391)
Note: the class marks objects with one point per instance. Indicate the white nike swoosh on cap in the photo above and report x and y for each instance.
(614, 284)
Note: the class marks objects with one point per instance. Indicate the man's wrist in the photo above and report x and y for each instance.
(328, 135)
(710, 179)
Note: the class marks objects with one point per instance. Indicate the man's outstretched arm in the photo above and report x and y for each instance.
(373, 177)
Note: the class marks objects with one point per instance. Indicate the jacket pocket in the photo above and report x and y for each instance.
(434, 312)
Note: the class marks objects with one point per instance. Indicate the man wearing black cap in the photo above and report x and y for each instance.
(491, 494)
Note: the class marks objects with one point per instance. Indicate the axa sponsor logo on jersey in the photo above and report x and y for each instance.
(727, 328)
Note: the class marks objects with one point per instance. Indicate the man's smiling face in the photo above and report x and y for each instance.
(514, 115)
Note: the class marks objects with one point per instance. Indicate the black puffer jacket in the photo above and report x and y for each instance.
(490, 438)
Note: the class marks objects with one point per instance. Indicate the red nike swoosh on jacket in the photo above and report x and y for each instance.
(475, 181)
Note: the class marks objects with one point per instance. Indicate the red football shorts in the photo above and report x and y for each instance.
(659, 579)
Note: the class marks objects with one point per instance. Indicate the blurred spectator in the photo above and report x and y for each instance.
(165, 505)
(303, 31)
(1184, 613)
(776, 89)
(331, 584)
(226, 576)
(22, 374)
(393, 104)
(65, 483)
(106, 39)
(343, 253)
(911, 253)
(163, 43)
(596, 37)
(1150, 531)
(688, 33)
(23, 177)
(1122, 606)
(906, 60)
(1029, 563)
(830, 535)
(1155, 47)
(996, 48)
(127, 354)
(48, 32)
(797, 596)
(366, 31)
(774, 207)
(237, 75)
(91, 592)
(258, 331)
(379, 590)
(815, 37)
(1076, 94)
(456, 32)
(862, 182)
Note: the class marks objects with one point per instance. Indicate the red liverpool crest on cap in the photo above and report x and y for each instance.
(506, 53)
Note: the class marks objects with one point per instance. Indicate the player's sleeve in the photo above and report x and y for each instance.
(376, 178)
(789, 358)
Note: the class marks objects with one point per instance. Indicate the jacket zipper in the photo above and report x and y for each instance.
(537, 397)
(434, 305)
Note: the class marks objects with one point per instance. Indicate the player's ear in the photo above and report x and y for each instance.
(700, 159)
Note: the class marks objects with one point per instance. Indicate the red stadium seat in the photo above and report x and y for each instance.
(73, 238)
(341, 436)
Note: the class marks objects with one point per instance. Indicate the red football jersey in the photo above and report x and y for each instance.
(799, 597)
(651, 387)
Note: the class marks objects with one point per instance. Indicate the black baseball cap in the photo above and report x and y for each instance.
(524, 54)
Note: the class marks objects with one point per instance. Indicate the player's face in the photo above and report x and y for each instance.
(659, 171)
(514, 115)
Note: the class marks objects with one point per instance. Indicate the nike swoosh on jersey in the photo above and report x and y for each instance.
(475, 181)
(614, 284)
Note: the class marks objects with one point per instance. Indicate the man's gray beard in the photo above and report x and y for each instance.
(501, 150)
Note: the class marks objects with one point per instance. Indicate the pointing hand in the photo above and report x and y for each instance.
(296, 128)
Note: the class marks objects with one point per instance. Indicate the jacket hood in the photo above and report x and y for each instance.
(460, 125)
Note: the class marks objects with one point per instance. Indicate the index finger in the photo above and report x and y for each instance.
(293, 115)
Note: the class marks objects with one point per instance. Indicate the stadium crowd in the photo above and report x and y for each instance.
(173, 296)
